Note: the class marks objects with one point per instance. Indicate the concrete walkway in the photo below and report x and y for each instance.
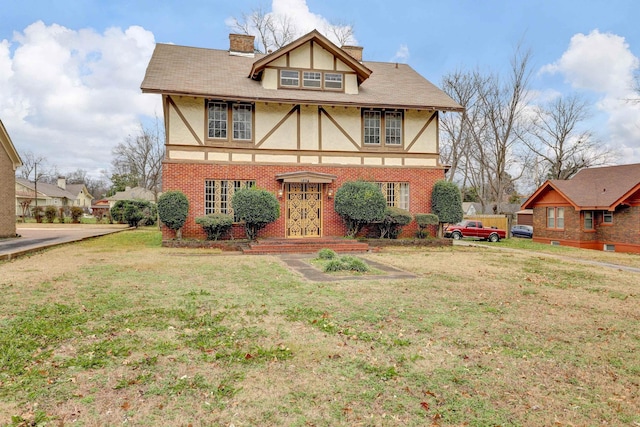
(35, 237)
(299, 263)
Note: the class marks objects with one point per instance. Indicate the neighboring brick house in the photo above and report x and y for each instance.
(298, 122)
(599, 208)
(9, 162)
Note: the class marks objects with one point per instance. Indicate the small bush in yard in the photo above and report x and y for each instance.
(257, 208)
(346, 263)
(173, 208)
(394, 220)
(76, 214)
(134, 212)
(50, 213)
(37, 213)
(425, 220)
(327, 253)
(215, 225)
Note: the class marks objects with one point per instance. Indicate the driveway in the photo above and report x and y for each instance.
(34, 237)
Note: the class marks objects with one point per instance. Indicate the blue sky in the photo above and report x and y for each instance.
(70, 71)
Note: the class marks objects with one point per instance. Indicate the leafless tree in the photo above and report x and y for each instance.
(560, 147)
(35, 166)
(141, 155)
(273, 31)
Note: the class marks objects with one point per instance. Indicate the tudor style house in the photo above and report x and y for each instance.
(599, 208)
(298, 122)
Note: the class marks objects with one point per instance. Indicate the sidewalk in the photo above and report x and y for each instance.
(35, 237)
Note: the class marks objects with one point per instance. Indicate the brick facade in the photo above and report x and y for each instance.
(190, 179)
(7, 195)
(623, 233)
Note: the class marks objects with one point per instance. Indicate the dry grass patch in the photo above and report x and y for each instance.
(134, 333)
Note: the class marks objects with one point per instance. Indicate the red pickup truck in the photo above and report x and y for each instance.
(474, 229)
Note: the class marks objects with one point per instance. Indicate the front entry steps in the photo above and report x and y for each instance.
(310, 245)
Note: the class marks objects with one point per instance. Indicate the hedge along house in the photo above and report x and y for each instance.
(298, 122)
(599, 208)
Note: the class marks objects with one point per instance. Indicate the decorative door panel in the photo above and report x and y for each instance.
(304, 210)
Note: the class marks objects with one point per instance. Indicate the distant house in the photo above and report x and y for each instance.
(599, 208)
(44, 195)
(135, 193)
(83, 198)
(9, 162)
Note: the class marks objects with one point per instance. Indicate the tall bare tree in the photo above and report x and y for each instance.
(141, 155)
(273, 31)
(560, 147)
(34, 166)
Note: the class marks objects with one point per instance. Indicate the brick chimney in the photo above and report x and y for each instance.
(241, 45)
(354, 51)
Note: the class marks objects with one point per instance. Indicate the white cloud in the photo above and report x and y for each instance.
(71, 95)
(602, 63)
(402, 54)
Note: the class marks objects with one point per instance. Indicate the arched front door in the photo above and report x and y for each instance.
(303, 209)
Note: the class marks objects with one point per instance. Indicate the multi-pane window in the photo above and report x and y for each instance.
(218, 195)
(220, 114)
(332, 81)
(393, 128)
(217, 120)
(396, 193)
(371, 127)
(312, 79)
(382, 126)
(289, 78)
(242, 121)
(588, 220)
(555, 218)
(607, 217)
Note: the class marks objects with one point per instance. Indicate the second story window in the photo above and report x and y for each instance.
(223, 116)
(332, 81)
(312, 79)
(382, 127)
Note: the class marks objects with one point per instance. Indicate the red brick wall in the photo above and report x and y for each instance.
(624, 233)
(190, 178)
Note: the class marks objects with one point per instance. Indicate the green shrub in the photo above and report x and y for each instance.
(359, 203)
(215, 225)
(446, 203)
(345, 263)
(394, 220)
(173, 209)
(36, 211)
(50, 213)
(256, 207)
(326, 253)
(134, 212)
(424, 221)
(76, 214)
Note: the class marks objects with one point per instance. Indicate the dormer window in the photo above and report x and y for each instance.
(318, 80)
(289, 78)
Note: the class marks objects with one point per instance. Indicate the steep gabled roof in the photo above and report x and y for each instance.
(601, 188)
(362, 71)
(213, 73)
(7, 145)
(78, 188)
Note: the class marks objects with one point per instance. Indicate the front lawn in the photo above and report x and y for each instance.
(118, 330)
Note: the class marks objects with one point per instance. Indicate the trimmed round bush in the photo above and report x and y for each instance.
(134, 212)
(50, 213)
(173, 209)
(256, 207)
(424, 221)
(359, 203)
(394, 220)
(76, 214)
(215, 224)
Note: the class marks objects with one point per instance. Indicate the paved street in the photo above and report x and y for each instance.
(34, 237)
